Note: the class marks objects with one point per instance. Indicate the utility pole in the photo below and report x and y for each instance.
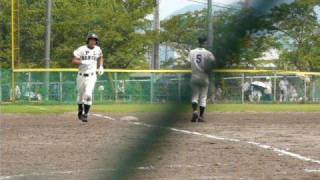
(47, 49)
(155, 61)
(210, 25)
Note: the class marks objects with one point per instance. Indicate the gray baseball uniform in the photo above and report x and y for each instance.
(201, 64)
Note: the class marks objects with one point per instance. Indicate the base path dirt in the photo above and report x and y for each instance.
(228, 146)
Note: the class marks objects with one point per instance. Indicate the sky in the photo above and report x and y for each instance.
(167, 7)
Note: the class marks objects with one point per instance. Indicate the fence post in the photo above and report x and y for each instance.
(60, 86)
(151, 88)
(305, 90)
(179, 87)
(0, 85)
(313, 89)
(275, 87)
(116, 86)
(29, 86)
(242, 89)
(13, 86)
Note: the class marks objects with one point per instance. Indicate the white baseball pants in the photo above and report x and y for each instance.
(85, 87)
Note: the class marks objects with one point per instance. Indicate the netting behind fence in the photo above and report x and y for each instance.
(111, 87)
(161, 87)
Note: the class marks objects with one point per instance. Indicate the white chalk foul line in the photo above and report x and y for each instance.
(52, 173)
(36, 174)
(312, 170)
(280, 152)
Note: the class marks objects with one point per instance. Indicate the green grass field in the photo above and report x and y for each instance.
(145, 108)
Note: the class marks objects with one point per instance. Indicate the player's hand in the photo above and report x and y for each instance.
(100, 70)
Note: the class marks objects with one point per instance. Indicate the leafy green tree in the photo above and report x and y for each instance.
(253, 48)
(5, 38)
(123, 30)
(233, 34)
(297, 27)
(242, 35)
(181, 32)
(239, 37)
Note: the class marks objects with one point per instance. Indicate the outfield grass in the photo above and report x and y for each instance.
(131, 108)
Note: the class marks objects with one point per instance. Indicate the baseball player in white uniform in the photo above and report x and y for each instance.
(284, 85)
(202, 62)
(87, 58)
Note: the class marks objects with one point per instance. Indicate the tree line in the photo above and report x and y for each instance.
(241, 36)
(126, 35)
(123, 30)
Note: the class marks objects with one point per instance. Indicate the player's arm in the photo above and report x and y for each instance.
(100, 64)
(212, 58)
(100, 61)
(210, 63)
(76, 61)
(76, 57)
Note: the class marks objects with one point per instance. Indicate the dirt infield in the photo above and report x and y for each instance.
(228, 146)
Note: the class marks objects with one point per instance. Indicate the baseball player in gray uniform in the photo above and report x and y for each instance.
(87, 58)
(202, 62)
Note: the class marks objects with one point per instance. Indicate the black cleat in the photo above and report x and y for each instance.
(194, 117)
(85, 118)
(201, 119)
(80, 116)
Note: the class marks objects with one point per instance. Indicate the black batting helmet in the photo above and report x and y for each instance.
(92, 36)
(202, 40)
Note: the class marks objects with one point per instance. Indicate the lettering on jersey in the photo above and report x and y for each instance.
(84, 58)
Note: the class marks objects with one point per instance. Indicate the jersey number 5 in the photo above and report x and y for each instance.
(199, 58)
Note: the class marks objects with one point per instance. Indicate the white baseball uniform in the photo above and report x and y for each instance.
(283, 85)
(200, 58)
(87, 77)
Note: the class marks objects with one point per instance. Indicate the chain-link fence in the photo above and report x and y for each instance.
(111, 87)
(266, 88)
(160, 87)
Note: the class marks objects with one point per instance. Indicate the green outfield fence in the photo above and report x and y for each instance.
(128, 86)
(158, 86)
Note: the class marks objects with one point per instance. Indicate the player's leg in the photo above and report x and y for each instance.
(80, 110)
(203, 101)
(80, 96)
(285, 95)
(195, 101)
(88, 94)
